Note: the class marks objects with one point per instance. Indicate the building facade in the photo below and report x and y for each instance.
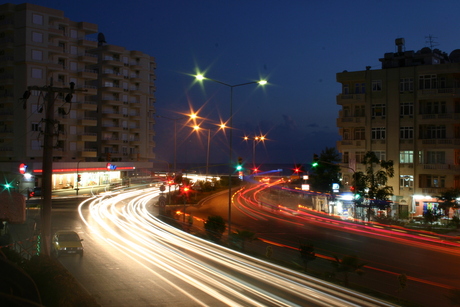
(409, 112)
(109, 118)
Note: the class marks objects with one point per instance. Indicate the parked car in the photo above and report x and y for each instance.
(67, 242)
(36, 192)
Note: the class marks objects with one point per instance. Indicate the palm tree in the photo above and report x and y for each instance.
(372, 183)
(348, 264)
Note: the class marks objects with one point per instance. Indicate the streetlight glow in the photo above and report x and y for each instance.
(201, 77)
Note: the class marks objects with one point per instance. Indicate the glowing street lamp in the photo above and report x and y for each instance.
(201, 77)
(191, 116)
(255, 140)
(197, 128)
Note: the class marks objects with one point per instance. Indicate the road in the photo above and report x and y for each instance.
(430, 264)
(132, 259)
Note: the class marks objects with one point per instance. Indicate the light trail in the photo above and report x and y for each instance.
(125, 222)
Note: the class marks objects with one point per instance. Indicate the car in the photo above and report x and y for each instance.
(36, 192)
(67, 242)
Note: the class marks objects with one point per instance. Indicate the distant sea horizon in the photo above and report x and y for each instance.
(223, 168)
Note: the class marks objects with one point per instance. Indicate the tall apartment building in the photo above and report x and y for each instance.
(109, 119)
(409, 112)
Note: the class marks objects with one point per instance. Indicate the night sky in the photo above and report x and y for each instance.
(297, 46)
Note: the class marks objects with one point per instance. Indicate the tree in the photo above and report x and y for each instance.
(307, 253)
(215, 227)
(244, 236)
(448, 199)
(326, 172)
(348, 264)
(371, 185)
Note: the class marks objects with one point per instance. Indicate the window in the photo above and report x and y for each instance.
(37, 55)
(346, 134)
(435, 157)
(37, 19)
(73, 66)
(360, 88)
(406, 85)
(73, 50)
(406, 181)
(432, 132)
(35, 126)
(378, 110)
(406, 156)
(378, 133)
(433, 107)
(37, 37)
(346, 111)
(432, 181)
(427, 82)
(360, 134)
(345, 157)
(360, 111)
(345, 89)
(406, 109)
(37, 73)
(376, 85)
(360, 156)
(406, 132)
(73, 33)
(381, 155)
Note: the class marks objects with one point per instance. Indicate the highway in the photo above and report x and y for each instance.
(133, 259)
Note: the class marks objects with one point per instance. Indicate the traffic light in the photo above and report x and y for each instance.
(78, 178)
(315, 160)
(239, 166)
(109, 156)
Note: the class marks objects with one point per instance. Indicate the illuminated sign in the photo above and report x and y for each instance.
(22, 168)
(111, 167)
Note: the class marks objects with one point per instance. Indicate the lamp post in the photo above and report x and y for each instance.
(255, 140)
(78, 177)
(175, 134)
(200, 77)
(197, 128)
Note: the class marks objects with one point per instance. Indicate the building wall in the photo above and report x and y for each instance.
(435, 144)
(39, 47)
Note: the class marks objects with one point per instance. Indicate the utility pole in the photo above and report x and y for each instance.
(47, 164)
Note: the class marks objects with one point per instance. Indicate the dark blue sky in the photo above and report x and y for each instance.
(297, 46)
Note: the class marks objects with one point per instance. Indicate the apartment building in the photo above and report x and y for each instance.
(107, 122)
(409, 112)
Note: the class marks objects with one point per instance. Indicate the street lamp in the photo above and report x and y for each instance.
(255, 140)
(197, 128)
(201, 77)
(191, 116)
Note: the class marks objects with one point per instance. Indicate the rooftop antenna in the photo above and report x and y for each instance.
(430, 41)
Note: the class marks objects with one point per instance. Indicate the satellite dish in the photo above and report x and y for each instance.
(101, 39)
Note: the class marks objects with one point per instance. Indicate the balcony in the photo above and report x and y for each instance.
(135, 128)
(87, 105)
(88, 74)
(87, 42)
(88, 121)
(350, 98)
(89, 153)
(112, 114)
(88, 137)
(351, 144)
(350, 121)
(111, 140)
(88, 58)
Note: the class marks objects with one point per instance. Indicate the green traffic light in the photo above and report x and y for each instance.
(314, 164)
(239, 168)
(7, 186)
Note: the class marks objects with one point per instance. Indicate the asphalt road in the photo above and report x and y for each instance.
(127, 265)
(432, 268)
